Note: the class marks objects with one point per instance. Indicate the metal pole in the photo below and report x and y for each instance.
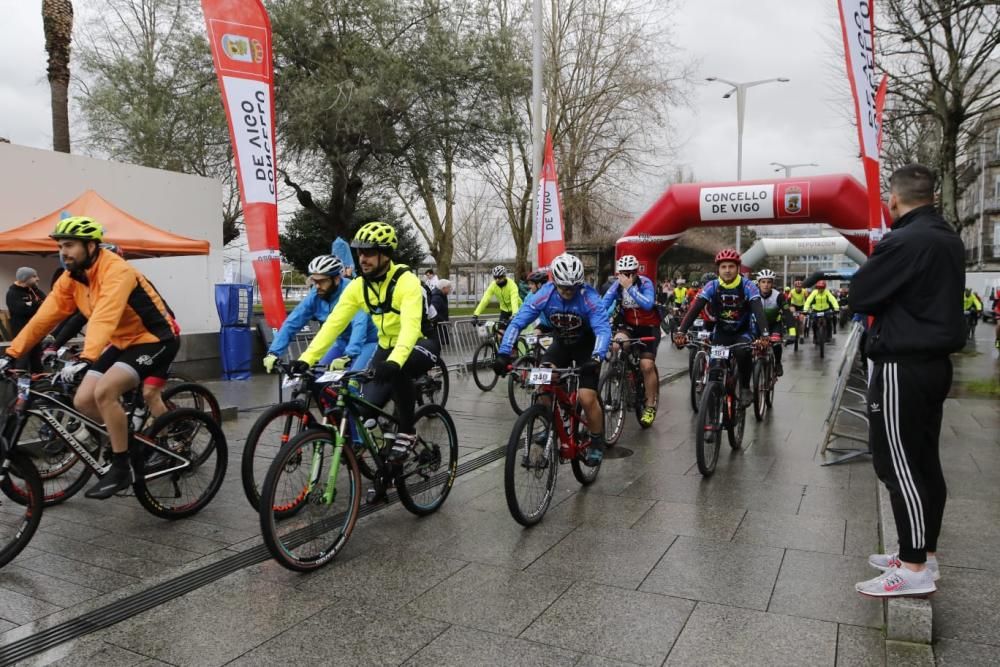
(536, 116)
(784, 279)
(982, 202)
(741, 102)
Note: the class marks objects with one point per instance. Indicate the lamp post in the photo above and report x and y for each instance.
(788, 167)
(741, 102)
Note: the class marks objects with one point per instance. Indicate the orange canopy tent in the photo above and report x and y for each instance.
(136, 238)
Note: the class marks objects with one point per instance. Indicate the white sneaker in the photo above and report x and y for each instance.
(891, 561)
(898, 582)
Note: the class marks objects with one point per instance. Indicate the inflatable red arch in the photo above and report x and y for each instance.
(838, 200)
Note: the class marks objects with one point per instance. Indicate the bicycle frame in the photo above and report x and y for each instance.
(569, 448)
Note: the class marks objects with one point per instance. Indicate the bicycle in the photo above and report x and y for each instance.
(820, 326)
(720, 408)
(622, 387)
(543, 437)
(311, 497)
(283, 421)
(699, 366)
(800, 326)
(484, 356)
(971, 320)
(172, 441)
(519, 391)
(763, 379)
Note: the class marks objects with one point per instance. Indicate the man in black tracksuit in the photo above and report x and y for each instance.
(912, 285)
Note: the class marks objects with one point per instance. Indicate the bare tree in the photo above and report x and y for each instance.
(941, 56)
(478, 228)
(57, 21)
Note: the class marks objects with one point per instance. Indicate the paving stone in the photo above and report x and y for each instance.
(677, 488)
(720, 635)
(464, 647)
(777, 498)
(860, 647)
(951, 652)
(603, 620)
(6, 625)
(596, 509)
(838, 503)
(344, 636)
(737, 574)
(793, 532)
(109, 559)
(967, 606)
(706, 521)
(613, 556)
(862, 537)
(71, 529)
(43, 587)
(810, 473)
(258, 610)
(601, 661)
(821, 586)
(911, 655)
(102, 654)
(145, 549)
(490, 598)
(22, 609)
(386, 578)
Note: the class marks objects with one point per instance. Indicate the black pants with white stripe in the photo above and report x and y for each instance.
(905, 406)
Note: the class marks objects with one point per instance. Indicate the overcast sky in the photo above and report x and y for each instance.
(805, 120)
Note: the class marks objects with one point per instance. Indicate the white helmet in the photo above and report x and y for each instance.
(766, 274)
(326, 265)
(499, 271)
(681, 281)
(627, 263)
(567, 271)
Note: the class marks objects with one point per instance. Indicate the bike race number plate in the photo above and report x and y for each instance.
(289, 381)
(720, 352)
(531, 339)
(699, 322)
(330, 376)
(540, 376)
(704, 335)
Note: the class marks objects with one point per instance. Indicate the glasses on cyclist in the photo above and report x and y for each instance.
(368, 252)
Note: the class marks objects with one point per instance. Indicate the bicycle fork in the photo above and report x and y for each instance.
(330, 492)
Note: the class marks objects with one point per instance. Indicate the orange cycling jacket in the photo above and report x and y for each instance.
(122, 309)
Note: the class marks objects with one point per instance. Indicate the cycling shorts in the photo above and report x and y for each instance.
(561, 354)
(648, 349)
(149, 362)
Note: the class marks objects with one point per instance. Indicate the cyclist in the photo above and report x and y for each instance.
(536, 281)
(820, 300)
(130, 335)
(733, 299)
(777, 311)
(507, 296)
(972, 306)
(797, 302)
(634, 295)
(692, 292)
(680, 293)
(394, 297)
(582, 335)
(354, 347)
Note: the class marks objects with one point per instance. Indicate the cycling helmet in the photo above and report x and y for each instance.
(378, 235)
(695, 284)
(499, 271)
(821, 284)
(681, 281)
(627, 263)
(727, 255)
(567, 271)
(766, 274)
(78, 227)
(708, 277)
(326, 264)
(539, 277)
(113, 248)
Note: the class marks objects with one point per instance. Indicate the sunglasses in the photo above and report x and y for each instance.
(627, 274)
(368, 252)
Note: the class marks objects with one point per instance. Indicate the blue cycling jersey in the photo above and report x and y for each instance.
(314, 307)
(731, 304)
(543, 320)
(569, 320)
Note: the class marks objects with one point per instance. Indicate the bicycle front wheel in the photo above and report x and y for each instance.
(759, 389)
(708, 432)
(273, 428)
(18, 520)
(519, 392)
(532, 463)
(613, 400)
(62, 471)
(326, 506)
(185, 480)
(482, 366)
(699, 376)
(429, 474)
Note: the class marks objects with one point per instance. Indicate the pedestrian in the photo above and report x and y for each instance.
(439, 301)
(912, 287)
(23, 300)
(430, 278)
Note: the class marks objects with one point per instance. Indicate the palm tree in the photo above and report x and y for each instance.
(57, 19)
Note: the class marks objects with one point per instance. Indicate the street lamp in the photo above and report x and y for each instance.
(788, 167)
(741, 102)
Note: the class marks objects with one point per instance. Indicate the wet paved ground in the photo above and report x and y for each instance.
(651, 565)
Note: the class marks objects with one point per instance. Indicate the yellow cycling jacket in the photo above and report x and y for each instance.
(680, 293)
(820, 300)
(398, 322)
(797, 297)
(507, 296)
(971, 302)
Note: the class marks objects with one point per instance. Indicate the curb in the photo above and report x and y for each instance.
(908, 620)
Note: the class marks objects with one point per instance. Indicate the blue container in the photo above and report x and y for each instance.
(235, 306)
(234, 303)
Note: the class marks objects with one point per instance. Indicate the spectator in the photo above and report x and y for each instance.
(23, 300)
(439, 301)
(342, 249)
(430, 278)
(912, 287)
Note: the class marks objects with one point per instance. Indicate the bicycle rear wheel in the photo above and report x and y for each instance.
(433, 386)
(198, 451)
(429, 474)
(273, 428)
(736, 423)
(326, 509)
(482, 366)
(699, 376)
(193, 395)
(584, 473)
(639, 390)
(531, 466)
(519, 392)
(708, 432)
(612, 396)
(18, 520)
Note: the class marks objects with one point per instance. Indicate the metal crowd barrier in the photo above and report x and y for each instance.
(851, 382)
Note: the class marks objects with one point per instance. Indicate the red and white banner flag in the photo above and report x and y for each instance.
(239, 33)
(857, 22)
(548, 211)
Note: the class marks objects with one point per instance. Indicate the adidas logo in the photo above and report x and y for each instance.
(874, 407)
